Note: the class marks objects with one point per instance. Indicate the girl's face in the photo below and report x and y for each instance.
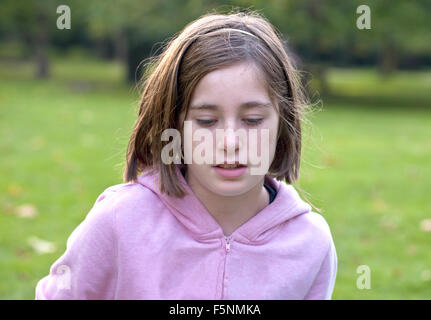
(232, 98)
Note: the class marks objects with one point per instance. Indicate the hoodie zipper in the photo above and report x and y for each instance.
(227, 243)
(227, 250)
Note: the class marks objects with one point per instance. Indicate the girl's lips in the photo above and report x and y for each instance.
(230, 173)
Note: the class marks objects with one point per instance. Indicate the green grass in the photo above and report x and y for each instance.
(62, 142)
(366, 163)
(370, 172)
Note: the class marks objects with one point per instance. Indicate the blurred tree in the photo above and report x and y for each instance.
(30, 20)
(399, 29)
(316, 31)
(322, 33)
(34, 24)
(136, 26)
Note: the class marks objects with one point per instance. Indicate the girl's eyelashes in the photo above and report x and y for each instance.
(248, 121)
(206, 122)
(253, 122)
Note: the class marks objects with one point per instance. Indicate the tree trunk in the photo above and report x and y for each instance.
(41, 47)
(388, 61)
(121, 46)
(42, 62)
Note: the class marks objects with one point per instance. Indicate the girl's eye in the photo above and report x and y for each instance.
(253, 122)
(206, 122)
(210, 122)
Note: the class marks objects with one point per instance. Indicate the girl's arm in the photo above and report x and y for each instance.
(87, 269)
(323, 285)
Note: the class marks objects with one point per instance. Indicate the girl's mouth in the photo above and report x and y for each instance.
(231, 166)
(230, 170)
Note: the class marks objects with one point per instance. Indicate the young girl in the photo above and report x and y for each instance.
(206, 230)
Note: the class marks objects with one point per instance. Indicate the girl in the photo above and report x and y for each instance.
(181, 229)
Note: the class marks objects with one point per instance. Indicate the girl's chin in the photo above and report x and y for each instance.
(229, 188)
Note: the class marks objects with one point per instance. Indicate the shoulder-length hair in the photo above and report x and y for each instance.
(209, 43)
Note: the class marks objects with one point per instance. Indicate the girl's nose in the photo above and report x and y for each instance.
(232, 140)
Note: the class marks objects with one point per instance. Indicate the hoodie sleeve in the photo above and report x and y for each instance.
(87, 269)
(324, 282)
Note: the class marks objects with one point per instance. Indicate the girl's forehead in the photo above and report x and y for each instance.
(233, 86)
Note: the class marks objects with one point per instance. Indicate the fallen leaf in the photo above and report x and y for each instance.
(397, 272)
(388, 222)
(426, 275)
(426, 225)
(21, 253)
(23, 276)
(379, 205)
(330, 161)
(41, 246)
(26, 211)
(13, 190)
(8, 208)
(411, 250)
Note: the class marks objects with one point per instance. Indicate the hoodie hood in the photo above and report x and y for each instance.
(139, 244)
(191, 212)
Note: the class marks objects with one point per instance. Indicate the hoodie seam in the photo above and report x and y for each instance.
(200, 237)
(114, 229)
(325, 257)
(265, 226)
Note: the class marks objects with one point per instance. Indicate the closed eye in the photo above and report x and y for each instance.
(248, 121)
(206, 122)
(253, 122)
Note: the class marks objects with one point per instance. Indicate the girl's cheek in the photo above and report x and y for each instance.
(205, 144)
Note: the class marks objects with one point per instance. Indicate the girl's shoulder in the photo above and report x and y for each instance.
(125, 202)
(318, 222)
(130, 194)
(313, 227)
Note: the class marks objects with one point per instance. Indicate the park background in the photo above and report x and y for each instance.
(68, 101)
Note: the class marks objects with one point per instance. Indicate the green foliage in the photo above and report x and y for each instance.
(321, 33)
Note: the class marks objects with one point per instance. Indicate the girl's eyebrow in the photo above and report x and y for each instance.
(245, 105)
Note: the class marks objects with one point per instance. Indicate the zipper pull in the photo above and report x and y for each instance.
(227, 244)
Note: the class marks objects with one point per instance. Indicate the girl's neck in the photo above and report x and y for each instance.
(231, 212)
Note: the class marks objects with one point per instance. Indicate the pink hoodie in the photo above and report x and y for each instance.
(137, 243)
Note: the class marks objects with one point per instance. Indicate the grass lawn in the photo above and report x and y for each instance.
(366, 163)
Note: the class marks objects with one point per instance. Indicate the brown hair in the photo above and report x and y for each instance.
(211, 42)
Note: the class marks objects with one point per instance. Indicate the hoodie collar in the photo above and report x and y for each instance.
(195, 217)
